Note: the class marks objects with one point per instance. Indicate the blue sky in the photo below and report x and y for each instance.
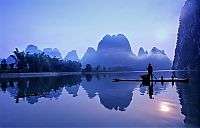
(79, 24)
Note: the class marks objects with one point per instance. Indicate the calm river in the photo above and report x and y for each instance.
(96, 101)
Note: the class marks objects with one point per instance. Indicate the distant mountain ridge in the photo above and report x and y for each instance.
(155, 50)
(53, 52)
(89, 55)
(31, 49)
(115, 51)
(72, 55)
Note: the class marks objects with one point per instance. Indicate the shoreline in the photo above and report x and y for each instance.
(36, 74)
(52, 74)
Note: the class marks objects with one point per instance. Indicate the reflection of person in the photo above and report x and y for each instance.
(172, 79)
(150, 71)
(151, 90)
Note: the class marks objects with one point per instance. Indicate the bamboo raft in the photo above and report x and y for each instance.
(154, 80)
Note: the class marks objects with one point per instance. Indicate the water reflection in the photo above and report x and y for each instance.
(32, 89)
(112, 96)
(190, 97)
(115, 96)
(164, 107)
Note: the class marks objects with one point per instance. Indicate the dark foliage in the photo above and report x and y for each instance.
(41, 62)
(3, 65)
(88, 68)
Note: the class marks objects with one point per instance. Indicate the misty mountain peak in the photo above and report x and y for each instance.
(155, 50)
(121, 36)
(55, 50)
(89, 56)
(90, 50)
(52, 52)
(72, 55)
(47, 50)
(10, 60)
(32, 49)
(115, 43)
(141, 52)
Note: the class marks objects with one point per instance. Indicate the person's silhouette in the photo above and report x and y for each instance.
(162, 80)
(150, 71)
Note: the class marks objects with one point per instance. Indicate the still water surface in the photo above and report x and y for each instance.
(94, 100)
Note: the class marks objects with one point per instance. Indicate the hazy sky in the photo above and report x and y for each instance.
(78, 24)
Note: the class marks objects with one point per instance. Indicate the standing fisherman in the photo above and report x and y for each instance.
(150, 71)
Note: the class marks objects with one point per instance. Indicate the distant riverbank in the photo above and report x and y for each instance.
(45, 74)
(49, 74)
(36, 74)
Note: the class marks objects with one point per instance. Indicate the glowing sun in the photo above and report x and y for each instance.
(161, 34)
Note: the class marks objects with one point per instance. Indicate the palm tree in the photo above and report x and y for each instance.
(13, 64)
(21, 60)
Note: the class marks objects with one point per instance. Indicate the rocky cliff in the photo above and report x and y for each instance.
(187, 52)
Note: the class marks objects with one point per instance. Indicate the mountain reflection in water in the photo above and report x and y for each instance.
(189, 96)
(113, 96)
(32, 89)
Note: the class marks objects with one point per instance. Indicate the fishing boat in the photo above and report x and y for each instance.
(148, 78)
(145, 79)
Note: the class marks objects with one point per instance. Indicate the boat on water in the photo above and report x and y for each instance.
(148, 78)
(154, 80)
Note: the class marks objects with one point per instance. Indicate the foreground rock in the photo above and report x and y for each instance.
(187, 53)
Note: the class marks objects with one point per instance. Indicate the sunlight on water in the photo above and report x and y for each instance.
(164, 107)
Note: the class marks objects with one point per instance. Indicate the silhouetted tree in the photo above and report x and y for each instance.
(21, 60)
(98, 68)
(12, 66)
(33, 62)
(26, 62)
(4, 65)
(88, 68)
